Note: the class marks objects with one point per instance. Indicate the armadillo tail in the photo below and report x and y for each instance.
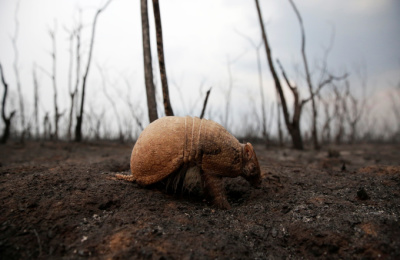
(129, 178)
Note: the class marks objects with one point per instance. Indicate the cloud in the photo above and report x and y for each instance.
(366, 7)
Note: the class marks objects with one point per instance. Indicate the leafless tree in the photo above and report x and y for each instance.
(293, 124)
(178, 87)
(112, 102)
(279, 123)
(78, 128)
(326, 132)
(308, 77)
(132, 109)
(74, 35)
(71, 92)
(357, 109)
(14, 40)
(161, 59)
(53, 76)
(6, 119)
(228, 93)
(189, 106)
(257, 48)
(95, 121)
(148, 70)
(325, 78)
(36, 101)
(395, 104)
(269, 121)
(47, 127)
(339, 112)
(395, 100)
(298, 104)
(194, 105)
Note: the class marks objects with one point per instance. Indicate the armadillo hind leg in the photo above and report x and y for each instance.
(214, 188)
(129, 178)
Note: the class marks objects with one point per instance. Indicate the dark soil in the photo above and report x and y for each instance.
(62, 201)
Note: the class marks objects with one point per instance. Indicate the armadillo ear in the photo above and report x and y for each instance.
(248, 151)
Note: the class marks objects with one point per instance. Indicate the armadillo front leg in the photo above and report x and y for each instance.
(214, 188)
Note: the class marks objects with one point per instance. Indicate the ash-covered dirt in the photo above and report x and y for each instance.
(62, 201)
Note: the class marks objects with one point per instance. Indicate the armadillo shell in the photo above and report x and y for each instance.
(170, 142)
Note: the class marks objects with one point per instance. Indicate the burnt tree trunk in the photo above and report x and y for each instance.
(278, 111)
(14, 39)
(148, 70)
(75, 33)
(339, 112)
(205, 104)
(112, 103)
(79, 119)
(228, 94)
(53, 76)
(6, 120)
(260, 80)
(326, 128)
(127, 99)
(260, 83)
(36, 101)
(71, 93)
(308, 78)
(161, 59)
(293, 127)
(74, 94)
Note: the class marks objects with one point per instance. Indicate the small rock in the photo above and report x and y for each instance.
(50, 234)
(83, 252)
(274, 232)
(286, 209)
(158, 231)
(362, 194)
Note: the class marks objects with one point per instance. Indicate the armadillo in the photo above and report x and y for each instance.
(180, 144)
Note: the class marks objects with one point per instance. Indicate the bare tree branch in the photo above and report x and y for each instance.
(292, 88)
(73, 33)
(74, 93)
(228, 94)
(131, 108)
(112, 102)
(293, 125)
(147, 63)
(205, 103)
(257, 48)
(78, 129)
(161, 59)
(53, 76)
(14, 40)
(308, 77)
(36, 100)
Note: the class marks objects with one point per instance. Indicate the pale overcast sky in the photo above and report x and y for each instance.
(200, 37)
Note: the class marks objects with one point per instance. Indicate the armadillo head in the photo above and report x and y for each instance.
(251, 168)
